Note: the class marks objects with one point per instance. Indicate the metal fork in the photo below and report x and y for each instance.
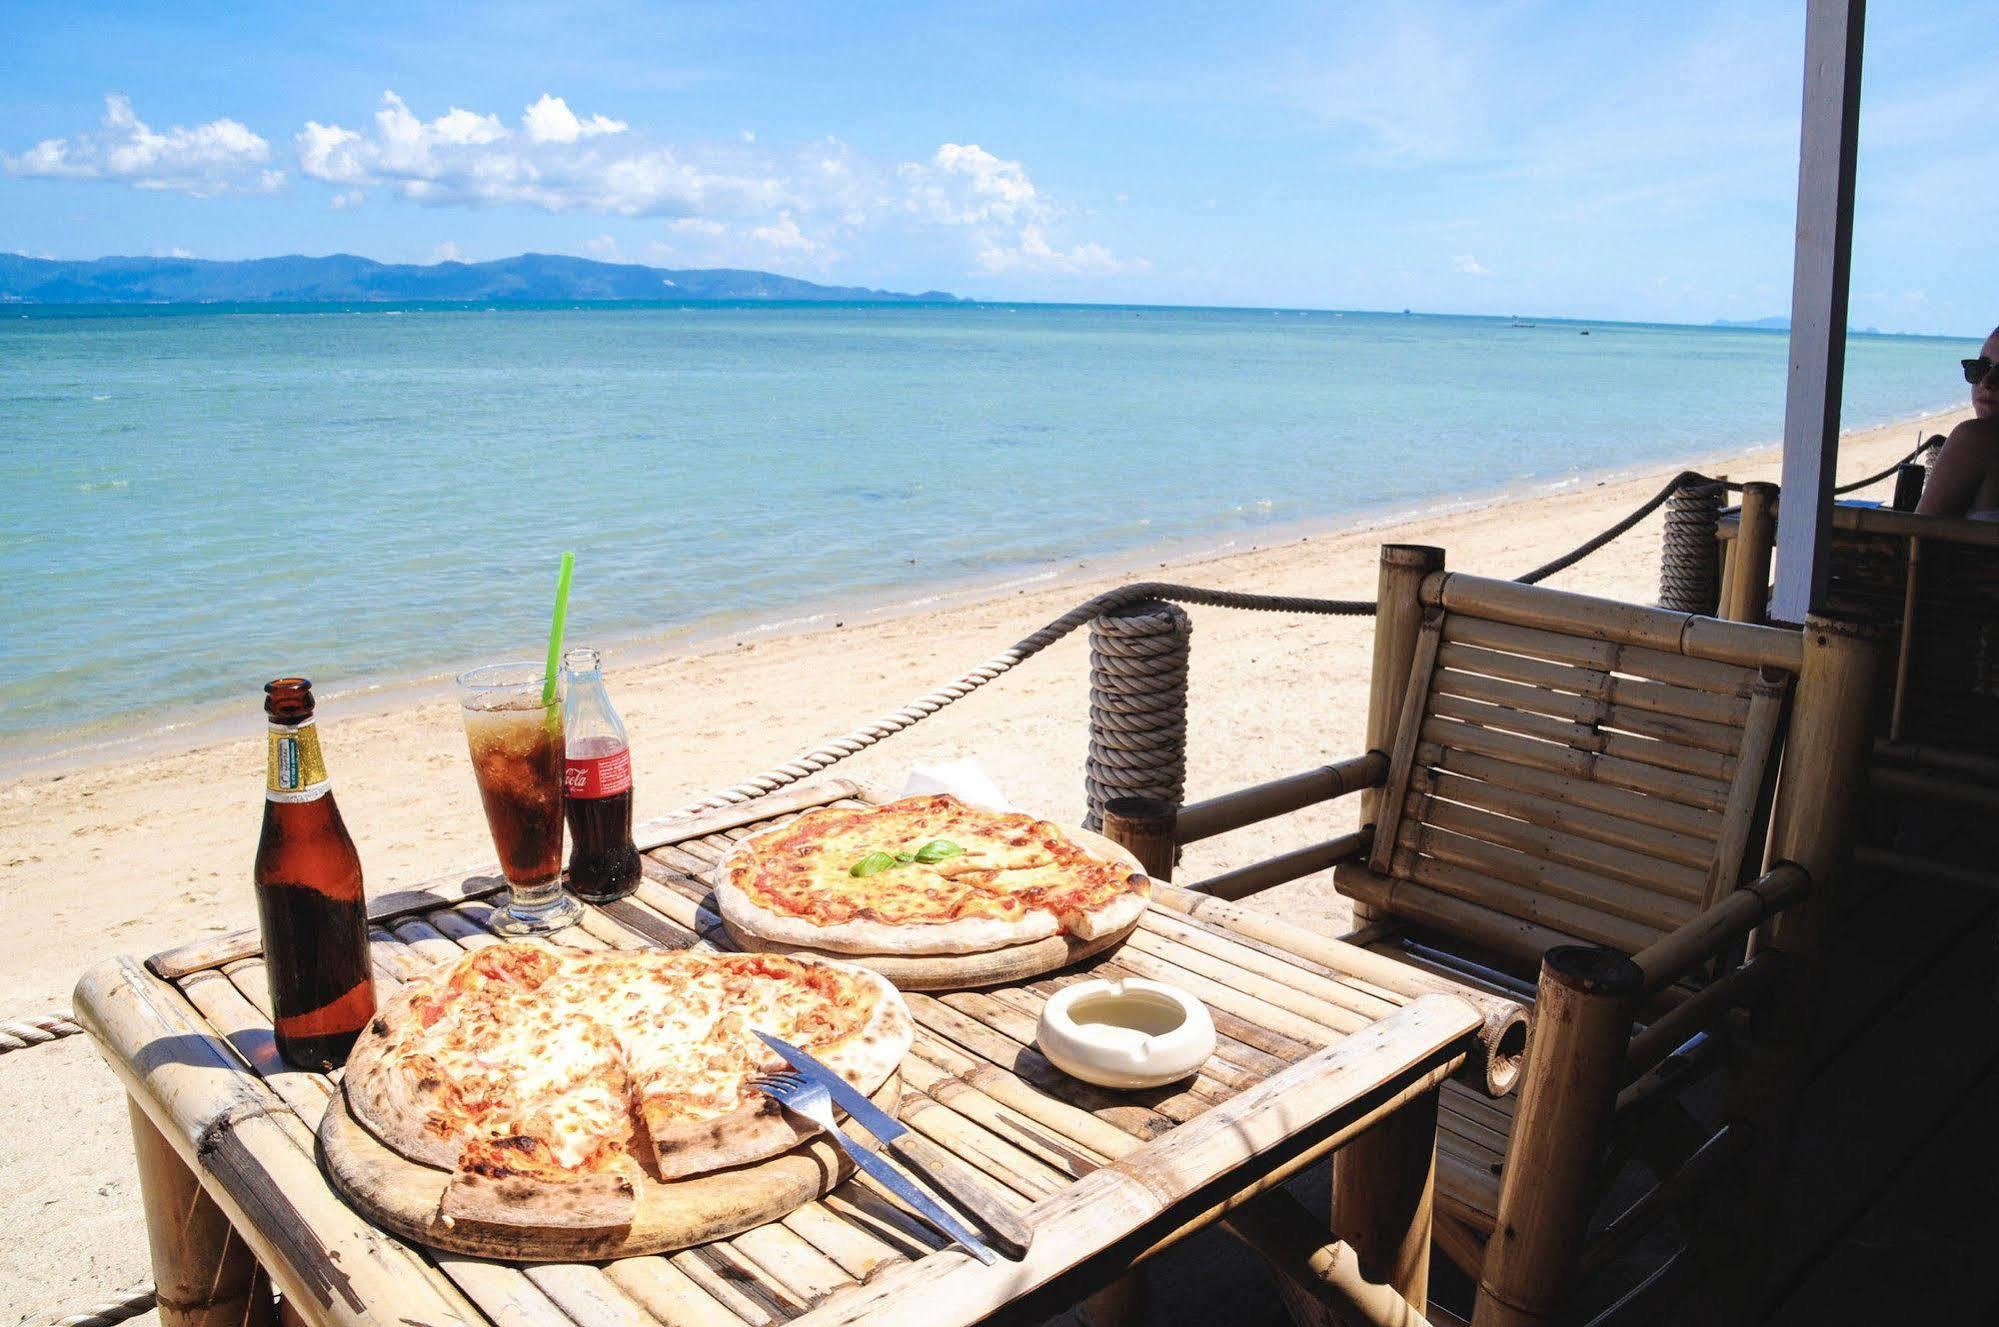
(811, 1101)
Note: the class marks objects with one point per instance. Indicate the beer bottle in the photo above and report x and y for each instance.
(309, 901)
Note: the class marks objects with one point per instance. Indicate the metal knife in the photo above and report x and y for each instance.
(942, 1171)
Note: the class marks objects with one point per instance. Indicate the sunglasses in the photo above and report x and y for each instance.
(1976, 370)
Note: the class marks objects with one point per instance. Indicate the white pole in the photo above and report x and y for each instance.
(1833, 36)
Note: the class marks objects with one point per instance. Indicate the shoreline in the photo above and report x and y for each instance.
(57, 756)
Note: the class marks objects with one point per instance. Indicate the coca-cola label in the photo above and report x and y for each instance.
(598, 776)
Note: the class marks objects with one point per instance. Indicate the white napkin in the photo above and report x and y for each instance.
(963, 778)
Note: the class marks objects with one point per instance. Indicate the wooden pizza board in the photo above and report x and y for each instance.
(958, 972)
(401, 1196)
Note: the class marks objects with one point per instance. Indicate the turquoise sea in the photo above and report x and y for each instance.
(193, 500)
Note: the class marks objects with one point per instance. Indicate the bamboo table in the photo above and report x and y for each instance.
(1319, 1043)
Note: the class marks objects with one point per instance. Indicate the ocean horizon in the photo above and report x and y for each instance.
(205, 496)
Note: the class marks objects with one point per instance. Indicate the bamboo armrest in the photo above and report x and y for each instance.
(1246, 806)
(1677, 953)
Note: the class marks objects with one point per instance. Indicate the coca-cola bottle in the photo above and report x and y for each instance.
(597, 786)
(309, 900)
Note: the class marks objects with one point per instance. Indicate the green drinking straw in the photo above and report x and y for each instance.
(555, 627)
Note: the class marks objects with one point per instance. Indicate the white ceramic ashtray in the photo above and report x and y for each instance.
(1128, 1033)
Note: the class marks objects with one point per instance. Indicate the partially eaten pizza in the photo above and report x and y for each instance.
(923, 875)
(551, 1083)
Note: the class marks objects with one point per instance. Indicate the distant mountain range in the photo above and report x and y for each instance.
(1782, 324)
(340, 277)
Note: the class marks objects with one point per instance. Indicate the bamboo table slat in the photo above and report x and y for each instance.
(1309, 1057)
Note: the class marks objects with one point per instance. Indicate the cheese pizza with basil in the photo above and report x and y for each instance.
(552, 1083)
(923, 875)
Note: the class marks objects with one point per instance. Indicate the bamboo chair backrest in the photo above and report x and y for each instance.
(1933, 582)
(1597, 769)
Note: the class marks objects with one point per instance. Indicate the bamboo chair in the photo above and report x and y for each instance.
(1567, 800)
(1905, 937)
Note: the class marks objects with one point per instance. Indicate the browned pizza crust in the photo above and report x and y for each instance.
(491, 1188)
(388, 1102)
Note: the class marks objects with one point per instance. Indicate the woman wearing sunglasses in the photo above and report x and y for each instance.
(1965, 479)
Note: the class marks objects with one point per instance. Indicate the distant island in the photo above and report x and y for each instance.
(340, 277)
(1783, 324)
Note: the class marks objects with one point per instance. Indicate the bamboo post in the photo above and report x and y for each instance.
(1398, 617)
(1825, 759)
(1384, 1200)
(1824, 771)
(1143, 826)
(1320, 1280)
(1575, 1061)
(1138, 706)
(205, 1274)
(1905, 652)
(1755, 537)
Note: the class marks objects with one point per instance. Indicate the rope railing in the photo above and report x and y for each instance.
(860, 739)
(1153, 662)
(35, 1030)
(110, 1312)
(830, 753)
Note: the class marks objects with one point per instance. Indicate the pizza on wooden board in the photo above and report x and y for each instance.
(923, 875)
(552, 1083)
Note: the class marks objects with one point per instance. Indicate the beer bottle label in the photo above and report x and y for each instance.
(296, 772)
(598, 776)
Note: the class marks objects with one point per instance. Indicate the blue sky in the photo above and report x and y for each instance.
(1591, 160)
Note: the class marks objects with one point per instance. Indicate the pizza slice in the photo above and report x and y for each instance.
(517, 1180)
(693, 1052)
(565, 1149)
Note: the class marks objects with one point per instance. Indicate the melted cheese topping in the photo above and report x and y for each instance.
(1010, 865)
(521, 1041)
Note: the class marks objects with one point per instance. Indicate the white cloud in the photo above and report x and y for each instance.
(963, 184)
(1467, 265)
(551, 121)
(603, 247)
(784, 237)
(216, 157)
(734, 200)
(1032, 252)
(446, 252)
(461, 159)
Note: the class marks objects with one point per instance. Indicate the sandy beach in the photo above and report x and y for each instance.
(134, 856)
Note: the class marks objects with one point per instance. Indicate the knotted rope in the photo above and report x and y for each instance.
(36, 1030)
(1689, 559)
(1138, 706)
